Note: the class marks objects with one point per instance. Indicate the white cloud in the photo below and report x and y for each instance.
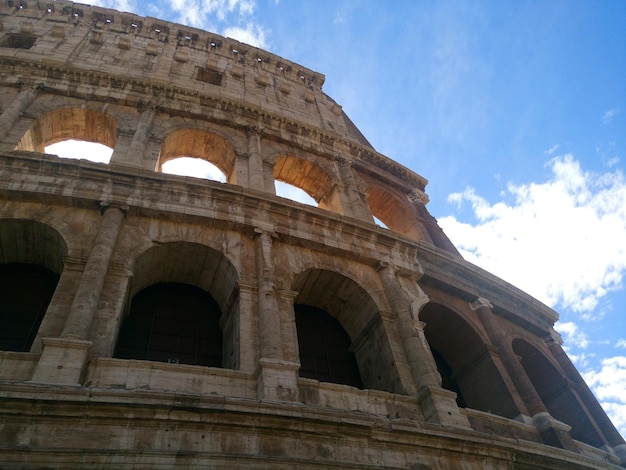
(552, 149)
(573, 335)
(609, 384)
(250, 34)
(562, 241)
(621, 343)
(609, 115)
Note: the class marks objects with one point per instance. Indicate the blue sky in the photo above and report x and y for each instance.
(514, 111)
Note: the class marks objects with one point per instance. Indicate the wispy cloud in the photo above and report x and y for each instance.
(609, 115)
(561, 240)
(552, 150)
(250, 34)
(573, 334)
(621, 343)
(609, 383)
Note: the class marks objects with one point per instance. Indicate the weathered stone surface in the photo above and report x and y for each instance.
(424, 325)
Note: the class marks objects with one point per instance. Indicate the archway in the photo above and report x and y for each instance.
(188, 273)
(395, 213)
(464, 362)
(172, 322)
(310, 178)
(30, 266)
(322, 292)
(202, 145)
(555, 392)
(83, 126)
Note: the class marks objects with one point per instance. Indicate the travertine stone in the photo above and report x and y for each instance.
(154, 91)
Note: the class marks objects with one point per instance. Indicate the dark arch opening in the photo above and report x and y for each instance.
(465, 363)
(172, 322)
(324, 346)
(447, 379)
(560, 400)
(25, 293)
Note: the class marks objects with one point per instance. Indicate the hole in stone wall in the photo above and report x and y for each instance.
(209, 76)
(18, 41)
(80, 149)
(379, 222)
(294, 193)
(196, 167)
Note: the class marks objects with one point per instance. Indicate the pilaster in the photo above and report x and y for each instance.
(276, 377)
(438, 405)
(15, 110)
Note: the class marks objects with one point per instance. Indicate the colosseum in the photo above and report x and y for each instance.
(181, 322)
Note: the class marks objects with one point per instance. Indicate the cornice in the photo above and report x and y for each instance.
(53, 78)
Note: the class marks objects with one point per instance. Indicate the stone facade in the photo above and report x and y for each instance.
(456, 368)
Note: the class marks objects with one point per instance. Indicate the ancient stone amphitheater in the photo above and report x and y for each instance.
(156, 321)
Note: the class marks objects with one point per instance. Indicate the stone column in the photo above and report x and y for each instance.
(13, 113)
(419, 199)
(276, 377)
(134, 153)
(606, 427)
(359, 208)
(528, 401)
(438, 405)
(552, 431)
(256, 178)
(64, 359)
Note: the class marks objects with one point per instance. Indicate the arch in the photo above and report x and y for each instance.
(70, 124)
(195, 266)
(310, 178)
(465, 363)
(324, 348)
(31, 242)
(30, 266)
(355, 311)
(197, 143)
(172, 322)
(554, 390)
(395, 213)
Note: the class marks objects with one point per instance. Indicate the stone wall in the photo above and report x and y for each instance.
(154, 91)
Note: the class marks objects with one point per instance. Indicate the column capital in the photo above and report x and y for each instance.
(417, 196)
(480, 302)
(254, 130)
(267, 230)
(344, 161)
(148, 105)
(104, 205)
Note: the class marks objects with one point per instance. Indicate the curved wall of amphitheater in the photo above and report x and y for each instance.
(158, 321)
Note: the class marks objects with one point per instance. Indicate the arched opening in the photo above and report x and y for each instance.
(80, 149)
(311, 179)
(199, 145)
(324, 293)
(82, 133)
(175, 323)
(172, 281)
(30, 266)
(188, 166)
(448, 381)
(25, 293)
(324, 348)
(554, 390)
(289, 191)
(464, 362)
(394, 213)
